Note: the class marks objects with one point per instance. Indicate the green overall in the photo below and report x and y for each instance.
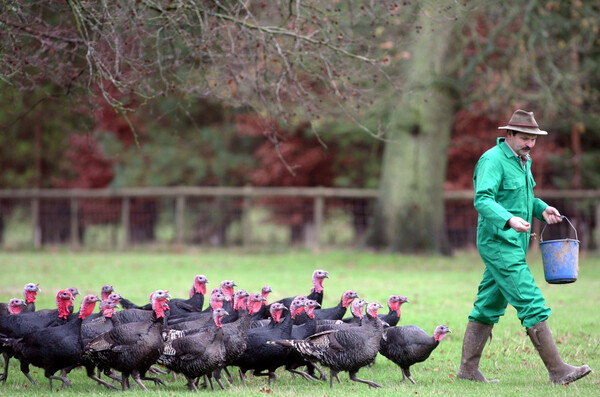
(503, 189)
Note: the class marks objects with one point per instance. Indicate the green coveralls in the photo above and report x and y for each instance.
(503, 189)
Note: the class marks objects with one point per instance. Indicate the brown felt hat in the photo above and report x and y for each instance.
(523, 121)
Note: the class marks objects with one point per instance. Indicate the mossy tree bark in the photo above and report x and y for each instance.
(409, 215)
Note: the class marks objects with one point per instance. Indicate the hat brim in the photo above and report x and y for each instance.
(526, 130)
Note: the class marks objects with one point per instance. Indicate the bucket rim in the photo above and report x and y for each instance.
(560, 239)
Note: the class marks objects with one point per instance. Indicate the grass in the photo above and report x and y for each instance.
(441, 290)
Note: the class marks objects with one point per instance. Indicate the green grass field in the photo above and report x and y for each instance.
(440, 289)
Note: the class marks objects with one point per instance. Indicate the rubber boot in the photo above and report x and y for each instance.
(560, 372)
(474, 341)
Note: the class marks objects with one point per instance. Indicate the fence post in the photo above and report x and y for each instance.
(246, 224)
(179, 220)
(318, 210)
(36, 234)
(74, 223)
(125, 206)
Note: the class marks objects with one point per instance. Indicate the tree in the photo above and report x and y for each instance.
(410, 211)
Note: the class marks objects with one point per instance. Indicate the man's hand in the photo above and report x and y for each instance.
(519, 224)
(551, 215)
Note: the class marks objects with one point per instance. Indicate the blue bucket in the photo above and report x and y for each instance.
(560, 258)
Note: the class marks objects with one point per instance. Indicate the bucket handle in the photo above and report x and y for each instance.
(563, 217)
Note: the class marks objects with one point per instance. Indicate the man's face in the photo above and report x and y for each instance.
(521, 142)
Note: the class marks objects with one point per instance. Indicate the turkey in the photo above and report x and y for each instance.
(394, 303)
(176, 305)
(259, 356)
(17, 326)
(343, 350)
(96, 324)
(236, 333)
(409, 344)
(264, 292)
(316, 292)
(227, 289)
(331, 313)
(197, 292)
(132, 348)
(196, 352)
(239, 301)
(73, 292)
(29, 293)
(56, 348)
(264, 309)
(294, 360)
(198, 320)
(108, 289)
(356, 308)
(129, 315)
(24, 323)
(266, 321)
(14, 306)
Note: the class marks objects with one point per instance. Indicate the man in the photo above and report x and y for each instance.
(505, 202)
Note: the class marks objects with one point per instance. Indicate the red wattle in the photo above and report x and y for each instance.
(30, 297)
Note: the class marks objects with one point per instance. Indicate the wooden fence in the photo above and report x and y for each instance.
(127, 206)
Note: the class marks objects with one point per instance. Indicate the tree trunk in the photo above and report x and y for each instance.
(410, 212)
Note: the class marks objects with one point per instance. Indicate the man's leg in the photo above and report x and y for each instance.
(560, 372)
(488, 308)
(515, 282)
(518, 286)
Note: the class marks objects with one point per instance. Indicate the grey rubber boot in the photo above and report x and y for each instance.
(560, 372)
(474, 341)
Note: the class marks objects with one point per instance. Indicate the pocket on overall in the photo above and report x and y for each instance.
(512, 195)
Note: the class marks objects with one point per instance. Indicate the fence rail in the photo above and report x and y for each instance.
(237, 215)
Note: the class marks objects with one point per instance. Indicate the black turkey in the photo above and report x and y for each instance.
(394, 303)
(409, 344)
(343, 350)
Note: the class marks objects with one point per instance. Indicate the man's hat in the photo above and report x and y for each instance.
(523, 121)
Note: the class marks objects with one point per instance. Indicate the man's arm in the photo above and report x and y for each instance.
(487, 180)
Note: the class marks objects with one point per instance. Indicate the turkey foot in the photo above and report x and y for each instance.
(356, 379)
